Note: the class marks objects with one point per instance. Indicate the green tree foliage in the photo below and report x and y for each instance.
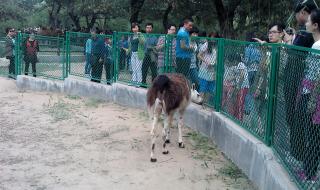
(232, 18)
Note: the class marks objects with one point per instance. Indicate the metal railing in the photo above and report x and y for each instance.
(271, 90)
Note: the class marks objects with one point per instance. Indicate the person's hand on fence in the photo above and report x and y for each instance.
(260, 41)
(126, 50)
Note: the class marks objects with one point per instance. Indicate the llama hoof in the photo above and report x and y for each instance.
(153, 159)
(165, 152)
(167, 141)
(181, 145)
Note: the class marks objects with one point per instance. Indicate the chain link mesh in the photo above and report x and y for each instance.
(41, 56)
(91, 56)
(4, 62)
(140, 57)
(271, 90)
(245, 85)
(296, 129)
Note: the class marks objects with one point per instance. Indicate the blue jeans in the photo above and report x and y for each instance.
(87, 68)
(248, 102)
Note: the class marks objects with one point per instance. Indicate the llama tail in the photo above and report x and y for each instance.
(159, 85)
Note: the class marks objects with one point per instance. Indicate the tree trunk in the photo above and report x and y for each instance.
(74, 17)
(165, 16)
(92, 21)
(136, 6)
(54, 21)
(226, 16)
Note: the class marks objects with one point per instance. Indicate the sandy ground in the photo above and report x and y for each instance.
(53, 141)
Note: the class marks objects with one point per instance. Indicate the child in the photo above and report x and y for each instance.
(242, 87)
(207, 74)
(229, 81)
(193, 72)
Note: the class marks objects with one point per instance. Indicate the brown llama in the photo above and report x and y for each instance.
(169, 93)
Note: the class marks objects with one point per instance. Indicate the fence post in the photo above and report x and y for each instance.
(166, 55)
(219, 75)
(272, 93)
(18, 52)
(67, 50)
(115, 57)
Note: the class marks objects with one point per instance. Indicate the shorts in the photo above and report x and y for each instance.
(207, 86)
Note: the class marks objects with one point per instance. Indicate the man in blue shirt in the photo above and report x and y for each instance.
(183, 49)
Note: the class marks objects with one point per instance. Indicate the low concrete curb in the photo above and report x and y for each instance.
(255, 159)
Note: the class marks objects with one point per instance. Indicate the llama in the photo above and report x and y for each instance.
(169, 93)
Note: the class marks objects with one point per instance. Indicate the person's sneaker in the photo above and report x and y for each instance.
(312, 179)
(11, 77)
(301, 174)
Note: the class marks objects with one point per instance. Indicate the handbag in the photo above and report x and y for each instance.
(195, 96)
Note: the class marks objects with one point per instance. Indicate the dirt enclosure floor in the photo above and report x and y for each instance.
(56, 142)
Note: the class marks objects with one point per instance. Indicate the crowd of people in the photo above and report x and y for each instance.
(246, 74)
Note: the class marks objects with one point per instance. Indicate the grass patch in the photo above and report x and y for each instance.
(73, 97)
(206, 150)
(144, 115)
(232, 171)
(93, 103)
(59, 110)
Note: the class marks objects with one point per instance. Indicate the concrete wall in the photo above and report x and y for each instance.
(43, 58)
(255, 159)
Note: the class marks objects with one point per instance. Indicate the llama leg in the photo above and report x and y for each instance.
(164, 136)
(180, 125)
(156, 116)
(170, 121)
(166, 132)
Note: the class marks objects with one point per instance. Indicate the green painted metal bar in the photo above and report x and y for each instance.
(272, 93)
(67, 72)
(166, 53)
(219, 74)
(17, 49)
(115, 53)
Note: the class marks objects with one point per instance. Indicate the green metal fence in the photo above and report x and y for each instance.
(271, 90)
(140, 57)
(4, 63)
(296, 137)
(42, 57)
(91, 56)
(247, 69)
